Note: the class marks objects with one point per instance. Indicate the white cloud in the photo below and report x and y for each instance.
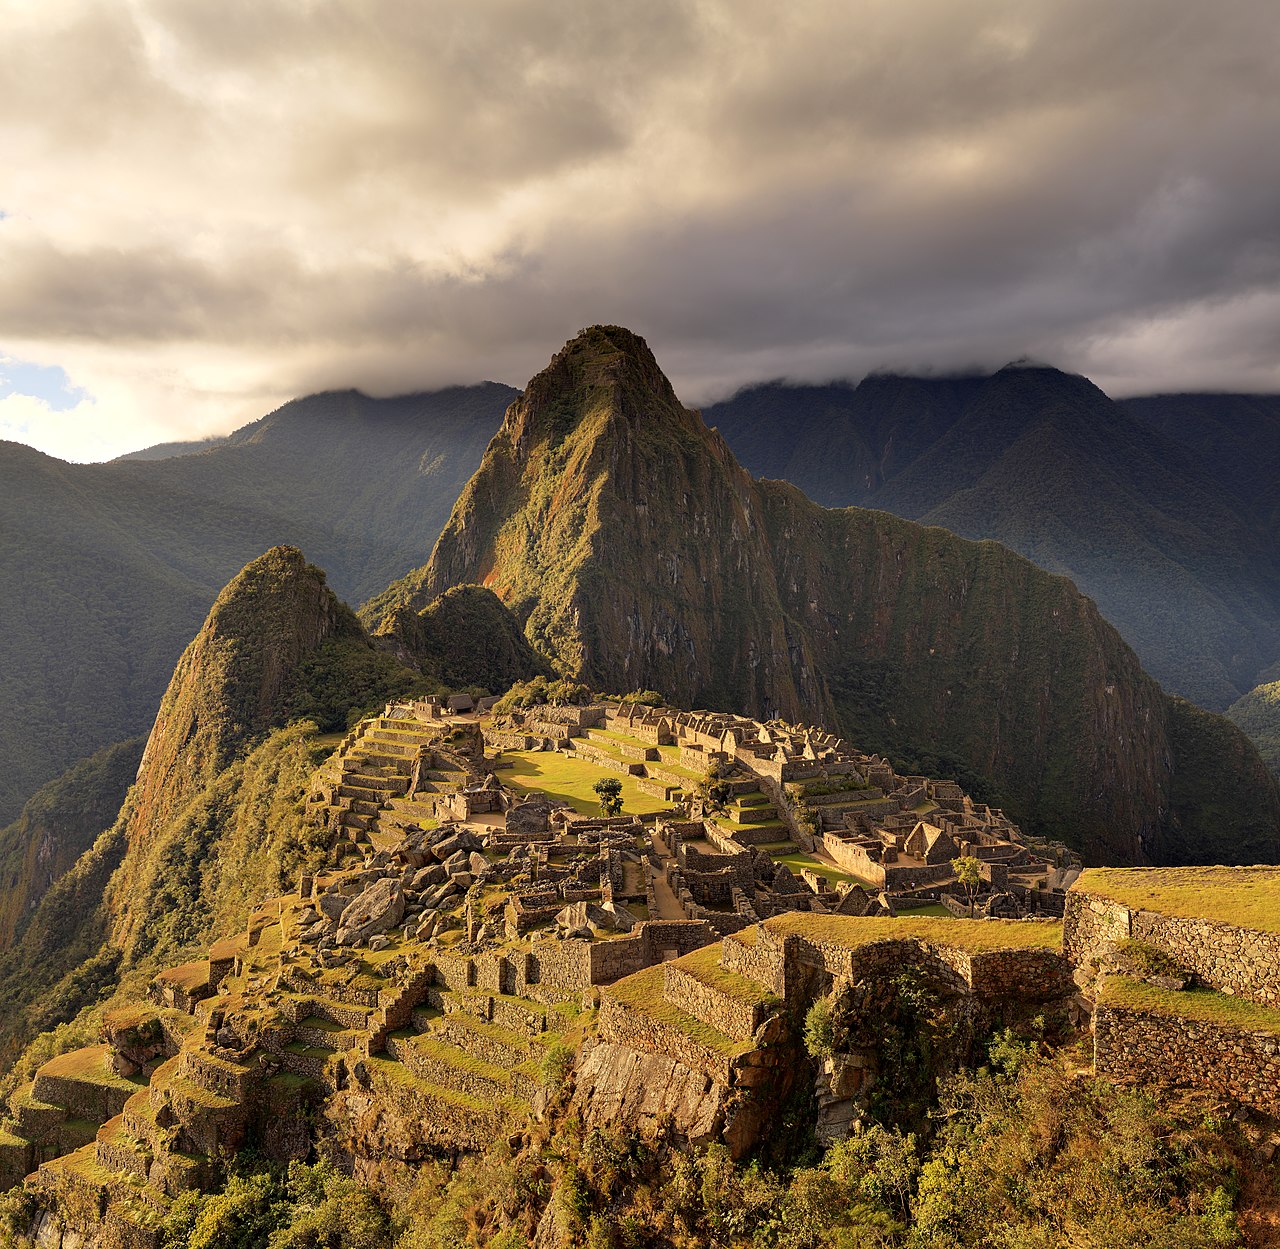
(211, 208)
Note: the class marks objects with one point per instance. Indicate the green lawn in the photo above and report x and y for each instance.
(1248, 897)
(799, 860)
(571, 780)
(1203, 1005)
(966, 934)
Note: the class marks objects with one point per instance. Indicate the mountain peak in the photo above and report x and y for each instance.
(605, 369)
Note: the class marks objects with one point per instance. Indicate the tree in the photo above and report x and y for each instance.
(968, 872)
(610, 791)
(714, 789)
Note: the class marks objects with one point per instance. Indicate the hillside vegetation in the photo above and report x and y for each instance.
(1258, 715)
(57, 825)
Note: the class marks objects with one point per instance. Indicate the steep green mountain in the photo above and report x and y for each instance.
(57, 825)
(1235, 439)
(1139, 510)
(276, 640)
(217, 818)
(106, 570)
(637, 553)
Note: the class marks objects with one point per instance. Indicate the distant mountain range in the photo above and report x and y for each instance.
(1165, 510)
(107, 570)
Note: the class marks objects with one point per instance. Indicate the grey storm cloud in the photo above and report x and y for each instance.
(212, 207)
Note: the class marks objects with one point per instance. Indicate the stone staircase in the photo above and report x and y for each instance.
(373, 769)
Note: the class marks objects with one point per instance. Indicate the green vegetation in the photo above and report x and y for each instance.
(1257, 715)
(819, 1036)
(965, 934)
(968, 872)
(1128, 498)
(466, 640)
(609, 791)
(1214, 763)
(539, 692)
(59, 823)
(1023, 1155)
(1248, 897)
(572, 780)
(1202, 1005)
(299, 1207)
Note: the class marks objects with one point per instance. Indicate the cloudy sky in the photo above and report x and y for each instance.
(206, 208)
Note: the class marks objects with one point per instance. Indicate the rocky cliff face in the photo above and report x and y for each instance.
(636, 552)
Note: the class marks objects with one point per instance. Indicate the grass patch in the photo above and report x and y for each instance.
(797, 860)
(557, 775)
(1200, 1005)
(1248, 897)
(452, 1056)
(87, 1066)
(182, 1087)
(643, 992)
(704, 965)
(188, 977)
(397, 1073)
(966, 934)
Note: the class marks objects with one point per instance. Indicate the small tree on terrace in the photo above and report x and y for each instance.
(714, 789)
(968, 872)
(609, 790)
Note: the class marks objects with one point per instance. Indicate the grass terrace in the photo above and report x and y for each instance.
(1248, 897)
(90, 1066)
(642, 991)
(798, 860)
(571, 780)
(1200, 1005)
(966, 934)
(704, 964)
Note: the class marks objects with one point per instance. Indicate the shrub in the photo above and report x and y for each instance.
(819, 1031)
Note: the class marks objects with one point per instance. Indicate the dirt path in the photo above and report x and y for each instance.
(668, 904)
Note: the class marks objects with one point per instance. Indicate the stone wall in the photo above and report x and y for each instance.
(623, 1026)
(651, 942)
(736, 1017)
(1144, 1047)
(853, 858)
(758, 955)
(1234, 960)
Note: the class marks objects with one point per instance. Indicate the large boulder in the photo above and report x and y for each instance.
(378, 908)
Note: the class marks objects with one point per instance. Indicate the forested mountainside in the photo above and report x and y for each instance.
(1258, 714)
(636, 552)
(1163, 509)
(58, 823)
(106, 570)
